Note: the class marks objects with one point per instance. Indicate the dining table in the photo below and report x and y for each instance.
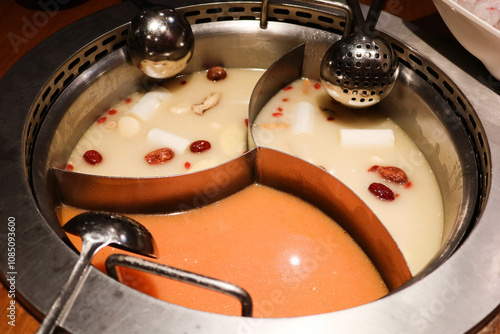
(25, 23)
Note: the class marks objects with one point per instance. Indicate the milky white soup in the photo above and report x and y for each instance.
(366, 151)
(152, 133)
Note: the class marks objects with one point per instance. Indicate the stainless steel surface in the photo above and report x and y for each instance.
(451, 297)
(97, 230)
(335, 5)
(122, 260)
(160, 42)
(360, 70)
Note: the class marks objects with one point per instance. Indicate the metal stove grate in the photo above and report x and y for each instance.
(62, 77)
(458, 102)
(312, 17)
(276, 12)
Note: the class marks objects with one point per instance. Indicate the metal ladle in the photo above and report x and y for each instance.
(360, 70)
(160, 41)
(97, 230)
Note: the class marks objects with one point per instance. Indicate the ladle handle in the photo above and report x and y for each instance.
(143, 4)
(187, 277)
(67, 296)
(358, 18)
(376, 8)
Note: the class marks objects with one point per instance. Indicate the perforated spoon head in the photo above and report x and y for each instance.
(359, 70)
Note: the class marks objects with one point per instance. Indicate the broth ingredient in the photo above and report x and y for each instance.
(92, 157)
(159, 156)
(216, 73)
(289, 256)
(392, 174)
(366, 151)
(207, 106)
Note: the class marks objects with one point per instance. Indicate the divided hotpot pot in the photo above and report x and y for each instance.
(447, 113)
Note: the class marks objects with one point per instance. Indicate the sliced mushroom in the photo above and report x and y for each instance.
(209, 102)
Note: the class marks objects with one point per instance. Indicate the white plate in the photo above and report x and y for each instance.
(475, 35)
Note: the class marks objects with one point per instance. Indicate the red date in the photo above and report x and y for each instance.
(159, 156)
(92, 157)
(200, 146)
(216, 73)
(391, 174)
(381, 191)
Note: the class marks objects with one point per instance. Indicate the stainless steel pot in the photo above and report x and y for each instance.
(447, 108)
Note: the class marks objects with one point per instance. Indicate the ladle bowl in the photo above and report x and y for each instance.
(160, 42)
(97, 230)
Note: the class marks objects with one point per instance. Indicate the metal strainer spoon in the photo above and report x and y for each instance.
(360, 70)
(160, 41)
(97, 230)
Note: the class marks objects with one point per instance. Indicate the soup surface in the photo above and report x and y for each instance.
(366, 151)
(190, 123)
(200, 120)
(289, 256)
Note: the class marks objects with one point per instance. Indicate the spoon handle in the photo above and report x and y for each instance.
(67, 296)
(143, 4)
(358, 18)
(376, 8)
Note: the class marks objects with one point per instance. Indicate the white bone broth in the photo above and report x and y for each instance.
(362, 149)
(191, 109)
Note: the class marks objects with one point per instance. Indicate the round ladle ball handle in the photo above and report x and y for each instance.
(160, 41)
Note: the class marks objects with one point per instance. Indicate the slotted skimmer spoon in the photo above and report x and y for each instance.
(360, 70)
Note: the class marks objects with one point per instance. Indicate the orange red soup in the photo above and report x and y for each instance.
(289, 256)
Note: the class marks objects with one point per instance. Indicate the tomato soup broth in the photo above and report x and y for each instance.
(288, 255)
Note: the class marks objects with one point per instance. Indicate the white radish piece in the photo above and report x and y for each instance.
(146, 107)
(163, 138)
(304, 117)
(371, 137)
(232, 139)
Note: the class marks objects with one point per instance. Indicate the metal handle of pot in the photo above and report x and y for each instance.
(330, 4)
(213, 284)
